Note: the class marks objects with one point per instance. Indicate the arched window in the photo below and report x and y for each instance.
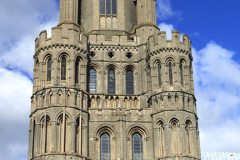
(111, 82)
(77, 70)
(159, 75)
(170, 73)
(49, 67)
(181, 71)
(105, 147)
(108, 7)
(137, 147)
(129, 82)
(63, 69)
(93, 81)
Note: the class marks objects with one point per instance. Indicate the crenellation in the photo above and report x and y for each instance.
(114, 75)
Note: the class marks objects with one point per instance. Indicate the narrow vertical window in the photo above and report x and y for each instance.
(159, 75)
(63, 69)
(49, 67)
(102, 6)
(137, 147)
(108, 6)
(93, 81)
(129, 82)
(114, 6)
(170, 73)
(77, 70)
(181, 72)
(111, 82)
(105, 147)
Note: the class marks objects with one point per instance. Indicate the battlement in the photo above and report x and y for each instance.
(160, 41)
(115, 40)
(62, 34)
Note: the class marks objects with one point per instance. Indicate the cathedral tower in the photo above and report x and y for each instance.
(109, 86)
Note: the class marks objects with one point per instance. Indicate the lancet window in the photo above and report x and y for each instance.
(159, 75)
(108, 7)
(93, 81)
(129, 82)
(63, 69)
(181, 71)
(49, 68)
(105, 147)
(170, 73)
(77, 70)
(111, 81)
(137, 147)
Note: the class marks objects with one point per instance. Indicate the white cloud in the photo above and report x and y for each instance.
(217, 88)
(15, 93)
(168, 28)
(164, 10)
(23, 21)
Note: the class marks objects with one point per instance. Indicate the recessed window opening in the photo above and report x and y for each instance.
(129, 82)
(49, 68)
(105, 147)
(111, 81)
(159, 75)
(108, 7)
(93, 81)
(77, 69)
(137, 147)
(170, 73)
(63, 69)
(181, 71)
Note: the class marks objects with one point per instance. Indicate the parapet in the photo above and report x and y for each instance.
(159, 41)
(66, 34)
(98, 39)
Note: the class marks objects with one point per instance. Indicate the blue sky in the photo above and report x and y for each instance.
(212, 25)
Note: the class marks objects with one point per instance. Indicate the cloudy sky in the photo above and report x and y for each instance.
(213, 27)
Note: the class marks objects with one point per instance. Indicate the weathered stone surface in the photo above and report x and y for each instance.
(67, 121)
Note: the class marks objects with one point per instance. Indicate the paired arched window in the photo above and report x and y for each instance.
(129, 82)
(137, 147)
(105, 147)
(93, 81)
(63, 69)
(49, 69)
(108, 7)
(170, 73)
(111, 81)
(159, 75)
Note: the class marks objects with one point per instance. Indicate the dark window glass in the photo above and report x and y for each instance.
(49, 67)
(129, 82)
(63, 69)
(170, 73)
(114, 6)
(102, 6)
(159, 75)
(77, 70)
(111, 82)
(105, 147)
(108, 6)
(93, 81)
(181, 72)
(137, 147)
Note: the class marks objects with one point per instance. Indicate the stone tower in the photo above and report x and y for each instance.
(109, 86)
